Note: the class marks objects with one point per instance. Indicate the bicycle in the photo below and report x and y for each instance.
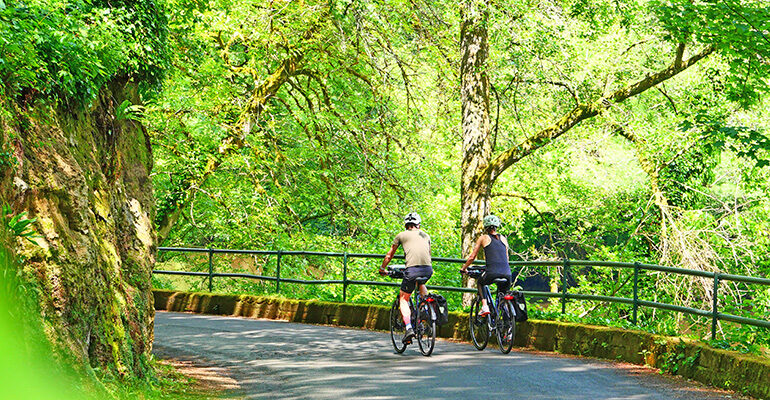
(423, 317)
(501, 317)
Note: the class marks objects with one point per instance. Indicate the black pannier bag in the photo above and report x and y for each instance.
(443, 311)
(520, 306)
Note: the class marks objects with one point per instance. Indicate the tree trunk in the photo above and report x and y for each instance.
(477, 145)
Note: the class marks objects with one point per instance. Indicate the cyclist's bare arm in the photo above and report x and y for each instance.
(474, 253)
(505, 242)
(387, 259)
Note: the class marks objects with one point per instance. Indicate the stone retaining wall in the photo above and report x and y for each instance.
(721, 368)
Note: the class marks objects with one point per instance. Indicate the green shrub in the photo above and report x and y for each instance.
(69, 49)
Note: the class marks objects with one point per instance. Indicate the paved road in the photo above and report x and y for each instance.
(273, 359)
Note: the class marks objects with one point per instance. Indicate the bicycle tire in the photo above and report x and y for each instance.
(478, 326)
(426, 330)
(397, 327)
(506, 326)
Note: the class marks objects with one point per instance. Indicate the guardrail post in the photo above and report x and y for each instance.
(345, 277)
(636, 292)
(278, 273)
(211, 270)
(714, 305)
(564, 272)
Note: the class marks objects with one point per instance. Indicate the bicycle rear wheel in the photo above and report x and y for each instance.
(506, 326)
(397, 327)
(426, 329)
(478, 326)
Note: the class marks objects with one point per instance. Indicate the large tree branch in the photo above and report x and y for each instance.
(232, 143)
(256, 104)
(585, 111)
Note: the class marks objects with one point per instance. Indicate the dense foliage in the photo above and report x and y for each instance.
(68, 50)
(316, 126)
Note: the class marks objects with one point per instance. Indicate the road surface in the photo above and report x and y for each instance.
(274, 359)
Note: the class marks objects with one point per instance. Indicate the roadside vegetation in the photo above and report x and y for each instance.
(31, 368)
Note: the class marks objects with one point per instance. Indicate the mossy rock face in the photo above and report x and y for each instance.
(456, 327)
(287, 310)
(382, 321)
(315, 312)
(84, 175)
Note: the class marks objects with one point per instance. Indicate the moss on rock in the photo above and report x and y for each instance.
(85, 176)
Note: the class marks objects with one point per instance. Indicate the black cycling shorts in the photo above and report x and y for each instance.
(486, 279)
(412, 273)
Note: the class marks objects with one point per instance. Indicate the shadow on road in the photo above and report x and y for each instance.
(273, 359)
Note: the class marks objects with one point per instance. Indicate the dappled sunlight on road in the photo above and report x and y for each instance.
(274, 359)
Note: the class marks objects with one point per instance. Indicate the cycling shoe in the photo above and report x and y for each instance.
(408, 336)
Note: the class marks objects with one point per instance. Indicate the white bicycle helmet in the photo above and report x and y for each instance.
(491, 220)
(412, 218)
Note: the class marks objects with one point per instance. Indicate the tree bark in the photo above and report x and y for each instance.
(477, 144)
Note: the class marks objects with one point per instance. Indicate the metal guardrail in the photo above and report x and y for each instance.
(564, 295)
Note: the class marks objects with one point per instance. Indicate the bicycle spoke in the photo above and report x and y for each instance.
(506, 327)
(478, 325)
(397, 327)
(426, 338)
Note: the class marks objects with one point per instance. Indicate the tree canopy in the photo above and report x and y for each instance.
(624, 130)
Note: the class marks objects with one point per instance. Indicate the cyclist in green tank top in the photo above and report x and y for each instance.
(416, 245)
(496, 255)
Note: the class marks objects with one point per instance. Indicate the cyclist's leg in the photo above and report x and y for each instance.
(407, 287)
(403, 302)
(423, 290)
(481, 282)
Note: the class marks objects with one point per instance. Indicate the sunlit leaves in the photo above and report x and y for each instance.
(70, 49)
(740, 31)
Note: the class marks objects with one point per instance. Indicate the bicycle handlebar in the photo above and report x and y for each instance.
(396, 271)
(474, 272)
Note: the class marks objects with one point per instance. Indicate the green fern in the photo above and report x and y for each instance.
(19, 225)
(128, 111)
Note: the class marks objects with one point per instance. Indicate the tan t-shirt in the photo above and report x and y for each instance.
(416, 245)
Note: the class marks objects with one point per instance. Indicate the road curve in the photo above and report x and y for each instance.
(274, 359)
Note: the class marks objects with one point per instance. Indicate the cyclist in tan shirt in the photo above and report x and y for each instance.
(416, 245)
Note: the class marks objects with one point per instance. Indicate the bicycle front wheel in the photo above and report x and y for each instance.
(478, 325)
(426, 329)
(506, 326)
(397, 327)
